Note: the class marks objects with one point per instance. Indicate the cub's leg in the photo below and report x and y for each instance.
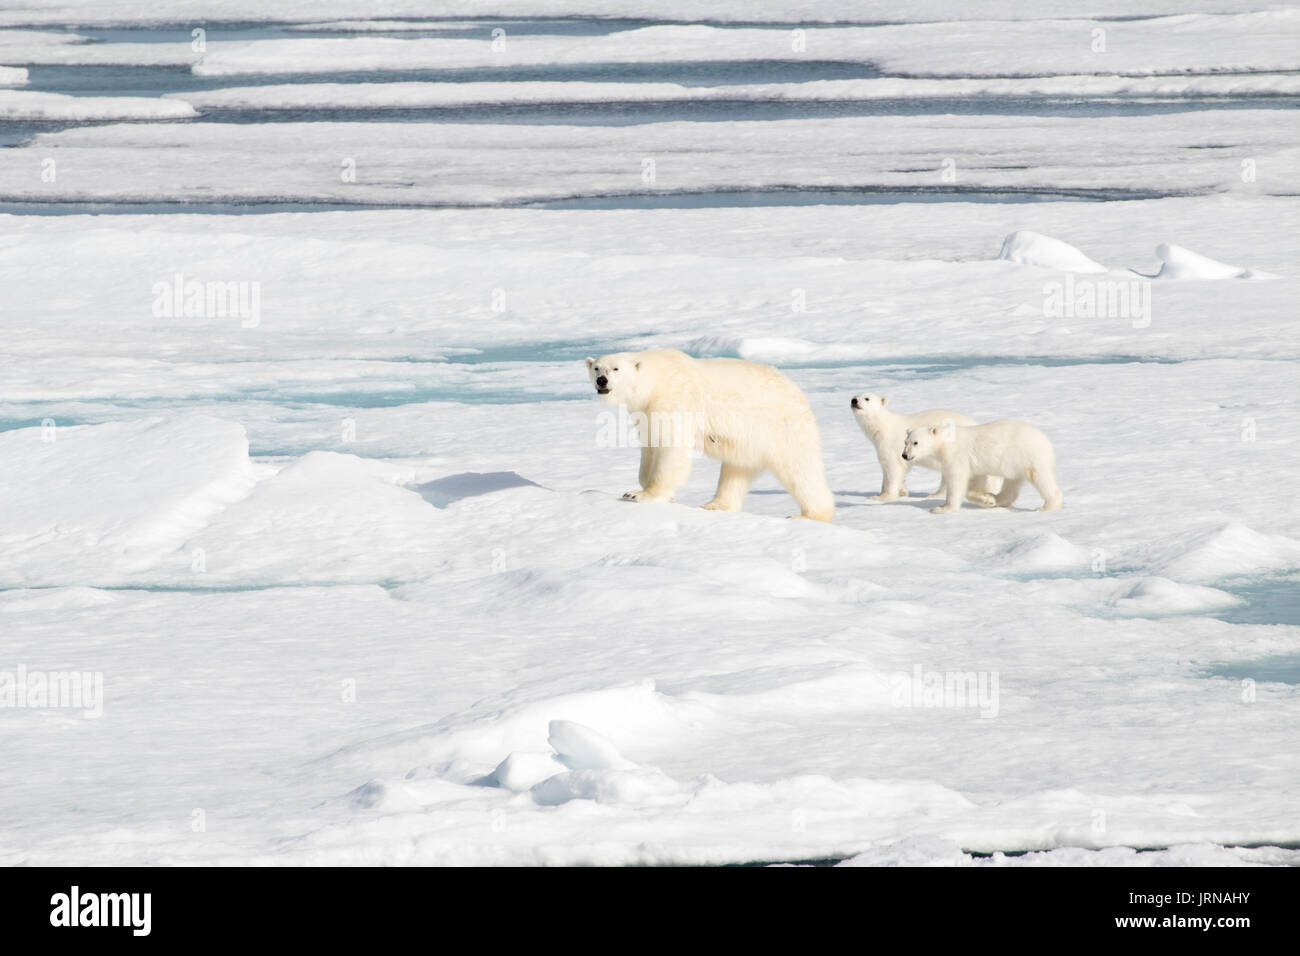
(1009, 493)
(733, 483)
(894, 471)
(981, 492)
(956, 479)
(1044, 481)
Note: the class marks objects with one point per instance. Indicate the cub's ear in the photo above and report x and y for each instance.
(934, 429)
(883, 401)
(590, 362)
(637, 366)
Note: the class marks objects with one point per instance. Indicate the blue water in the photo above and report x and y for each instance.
(1272, 600)
(1281, 669)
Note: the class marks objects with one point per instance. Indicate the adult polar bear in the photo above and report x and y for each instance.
(747, 415)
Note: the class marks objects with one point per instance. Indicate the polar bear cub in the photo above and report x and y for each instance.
(1016, 451)
(747, 415)
(887, 431)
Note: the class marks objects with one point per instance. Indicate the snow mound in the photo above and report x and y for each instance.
(13, 76)
(1034, 249)
(1180, 263)
(30, 105)
(629, 716)
(1157, 595)
(1232, 550)
(326, 518)
(1043, 552)
(580, 748)
(635, 788)
(88, 504)
(522, 770)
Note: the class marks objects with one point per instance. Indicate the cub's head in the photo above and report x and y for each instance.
(867, 405)
(926, 442)
(616, 377)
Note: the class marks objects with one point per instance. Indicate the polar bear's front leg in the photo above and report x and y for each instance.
(647, 465)
(733, 484)
(957, 480)
(670, 467)
(894, 471)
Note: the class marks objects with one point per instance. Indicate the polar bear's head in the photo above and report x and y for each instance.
(927, 441)
(867, 405)
(617, 377)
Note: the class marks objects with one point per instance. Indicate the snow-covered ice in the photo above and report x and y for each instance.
(353, 565)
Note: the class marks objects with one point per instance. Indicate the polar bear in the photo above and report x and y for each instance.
(747, 415)
(1016, 451)
(887, 431)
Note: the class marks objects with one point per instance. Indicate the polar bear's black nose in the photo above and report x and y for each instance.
(854, 403)
(601, 381)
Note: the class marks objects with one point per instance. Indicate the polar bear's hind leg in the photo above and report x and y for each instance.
(1010, 492)
(1045, 484)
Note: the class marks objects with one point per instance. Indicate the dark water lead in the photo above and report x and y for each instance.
(681, 199)
(131, 80)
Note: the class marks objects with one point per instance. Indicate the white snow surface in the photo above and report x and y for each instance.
(355, 571)
(29, 105)
(1263, 41)
(456, 555)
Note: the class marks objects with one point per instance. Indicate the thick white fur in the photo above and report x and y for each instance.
(1016, 451)
(888, 430)
(747, 415)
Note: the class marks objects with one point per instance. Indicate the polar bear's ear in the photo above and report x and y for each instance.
(637, 366)
(590, 362)
(883, 401)
(934, 429)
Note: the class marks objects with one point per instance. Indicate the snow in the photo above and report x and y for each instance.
(423, 95)
(1180, 263)
(767, 11)
(356, 573)
(475, 164)
(12, 76)
(1263, 41)
(1031, 249)
(27, 105)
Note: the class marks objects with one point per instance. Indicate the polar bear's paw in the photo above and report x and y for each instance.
(982, 498)
(641, 494)
(886, 496)
(944, 509)
(716, 505)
